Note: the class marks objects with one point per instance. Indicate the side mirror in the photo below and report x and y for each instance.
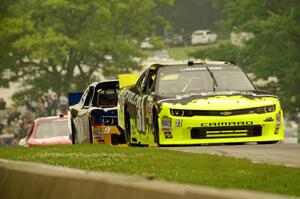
(74, 113)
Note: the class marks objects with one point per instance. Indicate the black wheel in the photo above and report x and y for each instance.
(122, 137)
(127, 127)
(156, 128)
(267, 142)
(235, 143)
(91, 133)
(73, 133)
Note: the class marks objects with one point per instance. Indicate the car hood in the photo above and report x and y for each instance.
(220, 101)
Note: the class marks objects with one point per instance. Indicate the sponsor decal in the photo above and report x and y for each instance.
(168, 135)
(178, 123)
(139, 102)
(98, 132)
(278, 122)
(192, 69)
(166, 124)
(107, 130)
(186, 69)
(214, 124)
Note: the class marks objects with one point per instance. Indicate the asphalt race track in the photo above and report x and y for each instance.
(287, 154)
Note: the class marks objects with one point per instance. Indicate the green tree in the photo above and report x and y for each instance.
(274, 51)
(187, 16)
(63, 45)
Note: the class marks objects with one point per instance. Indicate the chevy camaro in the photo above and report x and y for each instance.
(198, 103)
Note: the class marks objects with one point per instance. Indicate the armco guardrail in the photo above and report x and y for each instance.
(22, 180)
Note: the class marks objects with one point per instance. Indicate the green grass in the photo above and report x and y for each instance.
(200, 169)
(182, 53)
(177, 53)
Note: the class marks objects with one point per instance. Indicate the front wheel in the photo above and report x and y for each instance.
(235, 143)
(73, 133)
(156, 128)
(91, 132)
(267, 142)
(127, 128)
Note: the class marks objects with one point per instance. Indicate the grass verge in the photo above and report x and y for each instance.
(200, 169)
(182, 53)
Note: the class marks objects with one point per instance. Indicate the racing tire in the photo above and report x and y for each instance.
(73, 133)
(91, 133)
(235, 143)
(122, 137)
(156, 128)
(267, 142)
(127, 127)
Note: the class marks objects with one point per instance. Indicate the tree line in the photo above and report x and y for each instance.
(63, 45)
(274, 50)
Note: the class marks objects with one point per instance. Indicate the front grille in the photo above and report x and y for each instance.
(226, 132)
(101, 117)
(223, 112)
(110, 121)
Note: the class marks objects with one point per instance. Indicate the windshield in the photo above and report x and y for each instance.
(107, 98)
(52, 128)
(180, 80)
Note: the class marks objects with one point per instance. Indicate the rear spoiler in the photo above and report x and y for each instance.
(126, 80)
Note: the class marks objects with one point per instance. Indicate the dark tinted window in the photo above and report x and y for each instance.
(177, 80)
(140, 85)
(107, 98)
(89, 96)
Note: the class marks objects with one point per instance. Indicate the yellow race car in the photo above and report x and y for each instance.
(197, 103)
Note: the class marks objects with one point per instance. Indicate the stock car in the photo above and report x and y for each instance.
(201, 102)
(52, 130)
(94, 118)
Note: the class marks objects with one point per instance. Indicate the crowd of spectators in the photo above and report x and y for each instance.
(15, 121)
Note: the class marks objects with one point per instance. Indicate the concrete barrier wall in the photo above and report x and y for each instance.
(22, 180)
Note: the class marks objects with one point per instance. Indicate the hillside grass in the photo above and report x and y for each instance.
(182, 53)
(199, 169)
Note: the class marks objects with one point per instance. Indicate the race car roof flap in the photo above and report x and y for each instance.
(127, 79)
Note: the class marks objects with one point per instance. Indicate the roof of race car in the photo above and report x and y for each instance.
(104, 81)
(49, 118)
(193, 63)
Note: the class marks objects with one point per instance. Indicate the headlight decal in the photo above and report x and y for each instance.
(265, 109)
(166, 126)
(177, 112)
(270, 108)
